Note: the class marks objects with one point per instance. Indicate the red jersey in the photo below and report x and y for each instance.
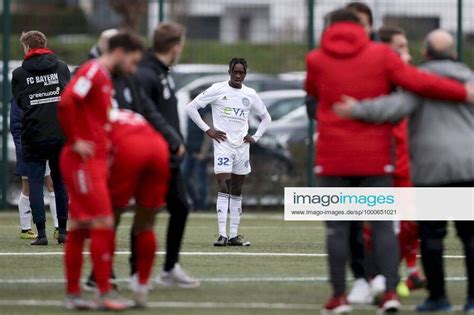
(84, 106)
(125, 124)
(140, 166)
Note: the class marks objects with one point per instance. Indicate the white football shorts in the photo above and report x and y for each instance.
(228, 159)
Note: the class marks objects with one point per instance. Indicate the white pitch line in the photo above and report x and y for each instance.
(248, 254)
(211, 305)
(213, 280)
(182, 254)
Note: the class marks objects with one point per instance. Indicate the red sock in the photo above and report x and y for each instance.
(146, 246)
(411, 250)
(73, 259)
(409, 242)
(101, 255)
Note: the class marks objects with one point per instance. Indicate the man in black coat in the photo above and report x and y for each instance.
(153, 75)
(36, 87)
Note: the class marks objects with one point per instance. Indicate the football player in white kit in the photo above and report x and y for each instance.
(231, 102)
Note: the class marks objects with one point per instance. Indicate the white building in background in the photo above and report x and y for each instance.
(263, 21)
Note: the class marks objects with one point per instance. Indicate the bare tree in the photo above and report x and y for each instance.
(132, 12)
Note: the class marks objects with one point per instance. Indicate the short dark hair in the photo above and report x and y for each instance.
(342, 15)
(235, 61)
(129, 42)
(167, 35)
(386, 33)
(33, 39)
(361, 7)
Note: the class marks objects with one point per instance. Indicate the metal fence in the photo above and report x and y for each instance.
(272, 35)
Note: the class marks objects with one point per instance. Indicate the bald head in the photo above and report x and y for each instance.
(439, 44)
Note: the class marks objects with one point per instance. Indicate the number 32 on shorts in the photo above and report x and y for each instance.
(223, 161)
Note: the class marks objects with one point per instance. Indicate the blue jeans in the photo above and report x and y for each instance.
(197, 185)
(35, 172)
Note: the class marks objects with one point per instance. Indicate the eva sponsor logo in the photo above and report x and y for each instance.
(231, 111)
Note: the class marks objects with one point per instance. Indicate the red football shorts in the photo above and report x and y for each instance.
(86, 182)
(140, 169)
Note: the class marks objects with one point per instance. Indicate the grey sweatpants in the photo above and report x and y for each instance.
(385, 244)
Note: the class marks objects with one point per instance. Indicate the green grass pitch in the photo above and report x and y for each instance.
(283, 272)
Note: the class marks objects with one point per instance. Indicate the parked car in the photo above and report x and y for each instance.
(292, 127)
(295, 76)
(279, 103)
(184, 74)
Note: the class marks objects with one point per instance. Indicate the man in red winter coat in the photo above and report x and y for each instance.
(356, 154)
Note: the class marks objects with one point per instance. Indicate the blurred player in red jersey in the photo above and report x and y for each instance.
(83, 113)
(140, 169)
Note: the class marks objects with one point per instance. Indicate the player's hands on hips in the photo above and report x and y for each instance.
(345, 106)
(470, 92)
(249, 139)
(84, 148)
(216, 135)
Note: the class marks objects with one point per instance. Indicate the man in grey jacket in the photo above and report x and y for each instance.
(441, 141)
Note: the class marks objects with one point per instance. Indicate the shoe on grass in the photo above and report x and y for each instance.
(377, 286)
(56, 233)
(140, 295)
(177, 277)
(390, 303)
(61, 238)
(416, 281)
(434, 305)
(337, 305)
(91, 286)
(40, 241)
(238, 241)
(221, 241)
(28, 234)
(112, 301)
(469, 307)
(360, 292)
(76, 302)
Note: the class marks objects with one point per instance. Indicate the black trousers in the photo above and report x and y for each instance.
(178, 208)
(35, 172)
(432, 234)
(338, 236)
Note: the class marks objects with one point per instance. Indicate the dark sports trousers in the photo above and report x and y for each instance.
(432, 234)
(35, 172)
(178, 208)
(338, 235)
(358, 251)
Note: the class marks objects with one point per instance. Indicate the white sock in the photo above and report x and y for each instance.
(25, 212)
(235, 212)
(52, 207)
(222, 206)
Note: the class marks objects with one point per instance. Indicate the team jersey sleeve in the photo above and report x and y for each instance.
(265, 121)
(259, 106)
(207, 97)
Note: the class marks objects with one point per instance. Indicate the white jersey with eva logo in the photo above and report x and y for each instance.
(231, 108)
